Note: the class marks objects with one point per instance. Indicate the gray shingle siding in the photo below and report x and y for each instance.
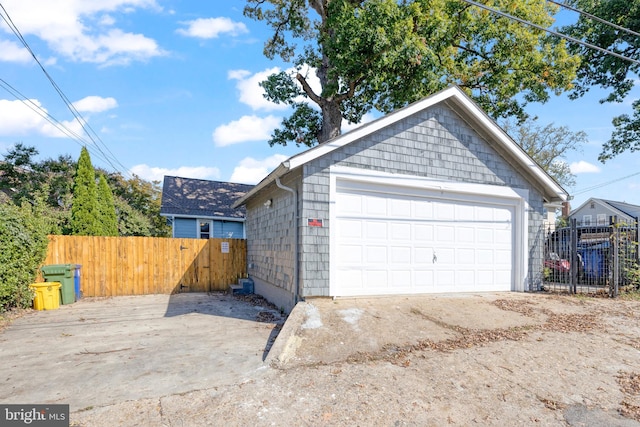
(270, 250)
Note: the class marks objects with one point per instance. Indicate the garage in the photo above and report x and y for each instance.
(392, 239)
(432, 198)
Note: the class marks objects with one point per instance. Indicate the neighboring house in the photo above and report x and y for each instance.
(197, 208)
(432, 198)
(596, 212)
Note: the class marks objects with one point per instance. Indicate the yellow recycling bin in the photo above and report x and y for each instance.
(47, 295)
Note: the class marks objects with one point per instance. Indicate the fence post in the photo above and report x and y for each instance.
(613, 239)
(573, 257)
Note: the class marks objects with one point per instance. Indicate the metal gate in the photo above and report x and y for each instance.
(592, 259)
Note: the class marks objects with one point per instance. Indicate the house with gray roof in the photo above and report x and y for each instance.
(595, 212)
(198, 208)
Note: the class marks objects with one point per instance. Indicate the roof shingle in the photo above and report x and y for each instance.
(199, 197)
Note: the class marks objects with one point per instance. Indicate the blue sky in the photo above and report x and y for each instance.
(171, 88)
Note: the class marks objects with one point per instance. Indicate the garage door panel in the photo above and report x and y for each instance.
(350, 203)
(422, 256)
(400, 255)
(350, 279)
(465, 276)
(375, 255)
(423, 279)
(375, 206)
(484, 235)
(503, 237)
(399, 208)
(464, 213)
(503, 257)
(485, 256)
(401, 231)
(376, 230)
(401, 279)
(466, 256)
(350, 254)
(350, 229)
(445, 233)
(376, 278)
(389, 243)
(423, 232)
(444, 211)
(444, 256)
(422, 209)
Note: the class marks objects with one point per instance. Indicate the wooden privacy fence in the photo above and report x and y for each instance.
(114, 266)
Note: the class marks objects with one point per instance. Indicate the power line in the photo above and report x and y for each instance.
(604, 184)
(594, 17)
(76, 114)
(48, 117)
(555, 33)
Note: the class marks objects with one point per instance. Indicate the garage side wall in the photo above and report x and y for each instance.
(271, 244)
(435, 143)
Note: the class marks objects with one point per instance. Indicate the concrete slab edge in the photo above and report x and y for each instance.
(288, 340)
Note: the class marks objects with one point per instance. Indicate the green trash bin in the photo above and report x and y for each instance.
(65, 274)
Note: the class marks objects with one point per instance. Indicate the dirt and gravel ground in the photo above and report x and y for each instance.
(495, 359)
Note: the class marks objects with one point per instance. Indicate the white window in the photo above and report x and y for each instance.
(204, 229)
(602, 219)
(586, 220)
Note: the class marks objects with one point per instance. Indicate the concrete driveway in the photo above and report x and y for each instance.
(98, 352)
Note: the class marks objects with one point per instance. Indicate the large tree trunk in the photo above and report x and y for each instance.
(331, 121)
(330, 106)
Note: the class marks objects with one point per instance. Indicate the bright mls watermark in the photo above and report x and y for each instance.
(34, 415)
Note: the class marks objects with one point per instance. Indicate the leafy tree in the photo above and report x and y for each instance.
(84, 215)
(59, 175)
(548, 146)
(23, 248)
(383, 54)
(19, 174)
(106, 209)
(137, 201)
(143, 197)
(132, 222)
(607, 71)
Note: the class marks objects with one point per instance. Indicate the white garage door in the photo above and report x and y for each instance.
(394, 240)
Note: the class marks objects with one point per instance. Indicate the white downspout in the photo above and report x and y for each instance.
(296, 246)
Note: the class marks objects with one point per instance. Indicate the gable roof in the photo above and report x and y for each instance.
(201, 198)
(624, 208)
(466, 108)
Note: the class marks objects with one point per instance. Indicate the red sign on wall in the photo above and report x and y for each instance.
(314, 222)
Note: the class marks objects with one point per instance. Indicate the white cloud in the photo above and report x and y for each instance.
(211, 28)
(252, 94)
(583, 167)
(85, 31)
(157, 174)
(347, 127)
(252, 171)
(247, 128)
(95, 104)
(12, 52)
(19, 119)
